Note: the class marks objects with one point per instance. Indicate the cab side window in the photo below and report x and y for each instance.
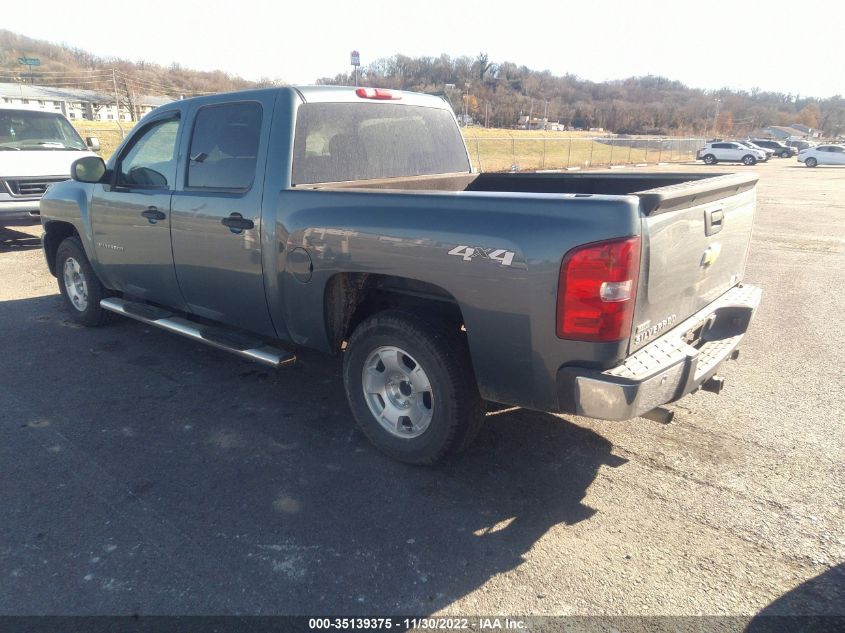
(150, 161)
(224, 147)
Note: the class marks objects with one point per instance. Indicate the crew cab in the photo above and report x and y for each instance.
(350, 221)
(730, 151)
(37, 149)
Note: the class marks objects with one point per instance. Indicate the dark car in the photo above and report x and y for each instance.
(798, 144)
(784, 151)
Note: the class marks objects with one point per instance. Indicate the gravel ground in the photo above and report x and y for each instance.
(144, 473)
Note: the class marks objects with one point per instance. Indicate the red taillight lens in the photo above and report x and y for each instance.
(377, 93)
(597, 289)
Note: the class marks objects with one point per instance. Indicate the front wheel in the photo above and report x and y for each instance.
(709, 159)
(784, 154)
(811, 162)
(748, 159)
(411, 387)
(79, 285)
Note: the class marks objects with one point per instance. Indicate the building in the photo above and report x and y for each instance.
(794, 131)
(538, 123)
(89, 105)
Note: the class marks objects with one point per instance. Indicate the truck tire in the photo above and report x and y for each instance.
(411, 387)
(79, 285)
(709, 159)
(748, 159)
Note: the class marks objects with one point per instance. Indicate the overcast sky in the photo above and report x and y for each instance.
(795, 47)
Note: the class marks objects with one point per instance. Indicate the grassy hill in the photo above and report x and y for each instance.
(498, 92)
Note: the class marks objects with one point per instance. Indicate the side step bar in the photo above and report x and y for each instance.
(234, 341)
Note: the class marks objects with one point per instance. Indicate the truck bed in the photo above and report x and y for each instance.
(686, 262)
(657, 191)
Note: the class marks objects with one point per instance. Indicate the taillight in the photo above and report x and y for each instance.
(597, 289)
(377, 93)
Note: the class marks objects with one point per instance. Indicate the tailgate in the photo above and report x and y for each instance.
(695, 242)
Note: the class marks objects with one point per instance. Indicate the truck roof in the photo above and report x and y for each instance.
(339, 94)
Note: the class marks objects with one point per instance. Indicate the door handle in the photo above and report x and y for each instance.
(237, 223)
(153, 214)
(713, 221)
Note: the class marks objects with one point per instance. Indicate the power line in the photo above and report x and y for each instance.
(161, 86)
(79, 78)
(55, 72)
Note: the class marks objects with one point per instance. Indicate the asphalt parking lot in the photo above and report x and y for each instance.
(143, 473)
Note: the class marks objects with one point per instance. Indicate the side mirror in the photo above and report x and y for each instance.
(93, 143)
(89, 169)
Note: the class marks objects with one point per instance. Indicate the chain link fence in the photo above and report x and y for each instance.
(515, 153)
(539, 153)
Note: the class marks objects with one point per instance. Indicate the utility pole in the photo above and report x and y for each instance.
(117, 103)
(466, 103)
(530, 114)
(716, 117)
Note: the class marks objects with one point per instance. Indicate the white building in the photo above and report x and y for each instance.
(90, 105)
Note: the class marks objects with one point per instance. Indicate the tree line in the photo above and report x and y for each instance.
(494, 94)
(497, 94)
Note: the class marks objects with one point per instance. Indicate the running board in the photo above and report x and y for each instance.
(233, 341)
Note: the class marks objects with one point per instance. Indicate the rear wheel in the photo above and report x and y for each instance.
(411, 387)
(811, 162)
(748, 159)
(709, 159)
(79, 285)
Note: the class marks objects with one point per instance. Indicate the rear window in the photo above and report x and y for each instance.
(360, 141)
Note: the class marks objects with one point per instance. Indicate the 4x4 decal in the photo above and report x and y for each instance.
(468, 253)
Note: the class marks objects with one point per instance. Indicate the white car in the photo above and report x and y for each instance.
(730, 151)
(37, 148)
(751, 144)
(822, 155)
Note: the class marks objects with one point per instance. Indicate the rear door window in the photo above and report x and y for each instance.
(224, 146)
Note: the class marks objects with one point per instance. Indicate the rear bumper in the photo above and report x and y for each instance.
(664, 370)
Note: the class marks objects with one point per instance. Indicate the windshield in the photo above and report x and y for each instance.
(360, 141)
(33, 130)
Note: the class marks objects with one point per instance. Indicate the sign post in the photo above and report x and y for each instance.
(30, 62)
(355, 60)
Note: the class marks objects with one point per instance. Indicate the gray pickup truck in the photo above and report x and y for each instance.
(350, 221)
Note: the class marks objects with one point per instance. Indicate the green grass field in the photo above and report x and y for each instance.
(500, 150)
(107, 131)
(533, 152)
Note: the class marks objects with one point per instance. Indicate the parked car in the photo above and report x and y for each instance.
(799, 144)
(768, 152)
(36, 150)
(822, 155)
(730, 151)
(779, 149)
(325, 217)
